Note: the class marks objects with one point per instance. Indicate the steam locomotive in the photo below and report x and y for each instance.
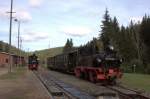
(33, 62)
(101, 67)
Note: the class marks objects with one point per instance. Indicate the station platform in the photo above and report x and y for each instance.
(24, 85)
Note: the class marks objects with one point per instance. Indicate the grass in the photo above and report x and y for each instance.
(14, 74)
(139, 81)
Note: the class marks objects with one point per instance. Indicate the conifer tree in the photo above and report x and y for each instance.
(68, 46)
(1, 46)
(145, 38)
(104, 36)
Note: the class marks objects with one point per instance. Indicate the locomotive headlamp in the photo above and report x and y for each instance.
(121, 60)
(99, 60)
(111, 47)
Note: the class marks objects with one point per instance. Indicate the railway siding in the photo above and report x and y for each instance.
(128, 93)
(76, 91)
(59, 89)
(60, 84)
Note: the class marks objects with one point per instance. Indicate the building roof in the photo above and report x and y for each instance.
(6, 53)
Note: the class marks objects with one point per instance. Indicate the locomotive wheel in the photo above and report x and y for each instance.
(91, 77)
(112, 81)
(78, 73)
(82, 75)
(86, 76)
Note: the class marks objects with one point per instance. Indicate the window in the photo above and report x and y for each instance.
(6, 60)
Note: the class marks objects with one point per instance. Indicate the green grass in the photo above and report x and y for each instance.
(139, 81)
(14, 74)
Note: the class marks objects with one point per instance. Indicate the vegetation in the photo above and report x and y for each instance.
(132, 42)
(4, 47)
(43, 54)
(68, 46)
(92, 47)
(140, 81)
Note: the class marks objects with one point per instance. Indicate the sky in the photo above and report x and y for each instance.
(48, 23)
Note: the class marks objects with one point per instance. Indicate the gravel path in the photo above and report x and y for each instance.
(26, 86)
(3, 70)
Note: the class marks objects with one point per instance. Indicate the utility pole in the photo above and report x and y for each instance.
(10, 32)
(49, 45)
(20, 58)
(18, 21)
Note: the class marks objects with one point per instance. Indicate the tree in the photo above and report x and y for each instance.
(68, 46)
(6, 48)
(134, 30)
(144, 35)
(106, 29)
(1, 46)
(71, 43)
(114, 34)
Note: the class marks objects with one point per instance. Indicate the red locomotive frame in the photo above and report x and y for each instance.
(33, 66)
(97, 74)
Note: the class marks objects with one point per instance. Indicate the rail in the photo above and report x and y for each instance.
(127, 93)
(60, 90)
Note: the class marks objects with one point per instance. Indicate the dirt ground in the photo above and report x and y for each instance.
(3, 70)
(22, 85)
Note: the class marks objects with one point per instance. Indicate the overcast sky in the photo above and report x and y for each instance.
(48, 23)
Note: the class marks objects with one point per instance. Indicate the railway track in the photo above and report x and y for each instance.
(127, 93)
(60, 90)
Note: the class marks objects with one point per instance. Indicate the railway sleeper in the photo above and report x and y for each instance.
(51, 87)
(55, 91)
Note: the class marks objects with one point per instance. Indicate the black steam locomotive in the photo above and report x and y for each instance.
(33, 62)
(98, 67)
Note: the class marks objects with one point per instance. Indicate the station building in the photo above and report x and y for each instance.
(14, 59)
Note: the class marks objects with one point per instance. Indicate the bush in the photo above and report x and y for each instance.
(138, 65)
(134, 66)
(148, 69)
(126, 67)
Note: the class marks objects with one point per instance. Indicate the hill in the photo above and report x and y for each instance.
(4, 47)
(43, 54)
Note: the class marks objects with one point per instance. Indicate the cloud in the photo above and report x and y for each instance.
(21, 14)
(136, 19)
(34, 36)
(35, 3)
(76, 31)
(3, 12)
